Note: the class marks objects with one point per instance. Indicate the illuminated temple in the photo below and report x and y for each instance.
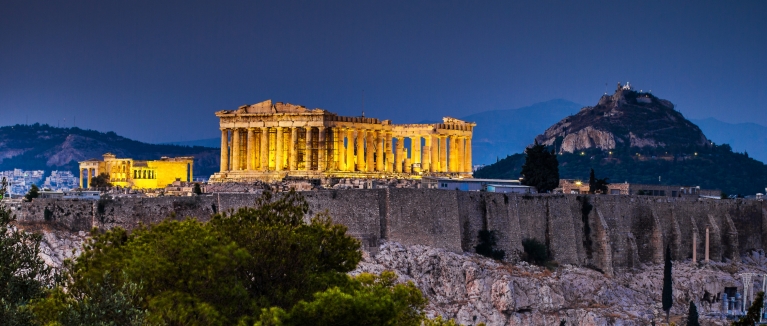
(270, 141)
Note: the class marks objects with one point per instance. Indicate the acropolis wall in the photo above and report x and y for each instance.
(270, 141)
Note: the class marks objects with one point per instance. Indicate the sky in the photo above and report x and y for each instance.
(157, 71)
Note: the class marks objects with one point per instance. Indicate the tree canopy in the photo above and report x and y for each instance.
(541, 169)
(101, 181)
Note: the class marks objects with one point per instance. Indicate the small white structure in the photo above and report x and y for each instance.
(471, 184)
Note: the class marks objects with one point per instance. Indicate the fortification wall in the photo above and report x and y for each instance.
(607, 232)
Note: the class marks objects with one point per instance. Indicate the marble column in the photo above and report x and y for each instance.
(341, 149)
(459, 158)
(278, 159)
(434, 160)
(442, 153)
(322, 150)
(467, 156)
(235, 149)
(399, 159)
(308, 150)
(335, 163)
(389, 161)
(415, 151)
(293, 148)
(379, 151)
(426, 161)
(350, 150)
(264, 147)
(251, 149)
(360, 150)
(369, 151)
(224, 150)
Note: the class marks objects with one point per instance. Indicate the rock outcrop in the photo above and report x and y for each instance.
(474, 289)
(624, 119)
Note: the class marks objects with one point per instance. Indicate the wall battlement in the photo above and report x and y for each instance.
(608, 232)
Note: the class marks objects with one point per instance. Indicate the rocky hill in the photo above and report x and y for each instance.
(42, 147)
(638, 138)
(625, 119)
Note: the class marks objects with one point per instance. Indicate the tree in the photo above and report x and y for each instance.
(23, 274)
(536, 251)
(541, 168)
(197, 190)
(667, 295)
(752, 316)
(100, 182)
(263, 264)
(597, 185)
(33, 192)
(692, 315)
(486, 245)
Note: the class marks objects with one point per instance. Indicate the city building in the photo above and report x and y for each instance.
(270, 141)
(570, 186)
(471, 184)
(20, 181)
(129, 173)
(60, 181)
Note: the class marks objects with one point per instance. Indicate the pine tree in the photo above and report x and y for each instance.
(541, 168)
(692, 315)
(34, 192)
(667, 296)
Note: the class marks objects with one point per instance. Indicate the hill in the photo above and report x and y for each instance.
(639, 138)
(42, 147)
(748, 138)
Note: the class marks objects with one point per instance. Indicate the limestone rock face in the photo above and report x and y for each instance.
(626, 118)
(474, 289)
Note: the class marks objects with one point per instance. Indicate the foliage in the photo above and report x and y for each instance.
(752, 316)
(33, 193)
(714, 167)
(667, 295)
(106, 304)
(439, 321)
(100, 182)
(597, 185)
(486, 245)
(562, 322)
(197, 190)
(367, 300)
(541, 169)
(263, 265)
(692, 315)
(23, 274)
(536, 251)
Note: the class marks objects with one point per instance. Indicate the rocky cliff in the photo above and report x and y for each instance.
(625, 119)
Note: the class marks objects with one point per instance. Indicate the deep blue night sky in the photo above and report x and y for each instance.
(158, 70)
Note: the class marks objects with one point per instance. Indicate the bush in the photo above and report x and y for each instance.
(536, 252)
(486, 246)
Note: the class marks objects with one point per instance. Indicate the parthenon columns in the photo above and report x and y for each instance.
(235, 149)
(322, 150)
(415, 150)
(360, 152)
(308, 150)
(426, 163)
(224, 149)
(264, 157)
(379, 151)
(434, 160)
(399, 159)
(251, 152)
(442, 153)
(369, 151)
(467, 156)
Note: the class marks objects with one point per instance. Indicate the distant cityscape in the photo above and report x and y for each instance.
(20, 181)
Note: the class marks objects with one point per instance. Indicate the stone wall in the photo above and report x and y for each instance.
(606, 232)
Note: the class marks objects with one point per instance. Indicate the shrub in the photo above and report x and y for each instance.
(536, 252)
(486, 246)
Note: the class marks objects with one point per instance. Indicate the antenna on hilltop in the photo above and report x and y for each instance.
(363, 103)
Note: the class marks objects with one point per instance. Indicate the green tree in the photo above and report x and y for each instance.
(33, 192)
(536, 251)
(23, 274)
(541, 168)
(667, 295)
(597, 185)
(264, 265)
(486, 245)
(692, 315)
(197, 190)
(752, 316)
(100, 182)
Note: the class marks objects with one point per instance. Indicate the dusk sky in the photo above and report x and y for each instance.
(158, 70)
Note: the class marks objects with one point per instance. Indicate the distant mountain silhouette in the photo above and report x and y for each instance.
(742, 137)
(504, 132)
(42, 147)
(208, 142)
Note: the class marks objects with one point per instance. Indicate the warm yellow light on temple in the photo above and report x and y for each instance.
(129, 173)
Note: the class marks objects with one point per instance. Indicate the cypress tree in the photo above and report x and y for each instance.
(692, 315)
(541, 168)
(667, 296)
(592, 182)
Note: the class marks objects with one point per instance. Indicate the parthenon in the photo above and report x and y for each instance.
(270, 141)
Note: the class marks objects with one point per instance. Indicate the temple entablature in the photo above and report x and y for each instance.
(268, 141)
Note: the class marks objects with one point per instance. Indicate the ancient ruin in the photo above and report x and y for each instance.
(130, 173)
(270, 141)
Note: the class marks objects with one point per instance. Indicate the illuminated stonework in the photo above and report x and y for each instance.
(270, 141)
(126, 172)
